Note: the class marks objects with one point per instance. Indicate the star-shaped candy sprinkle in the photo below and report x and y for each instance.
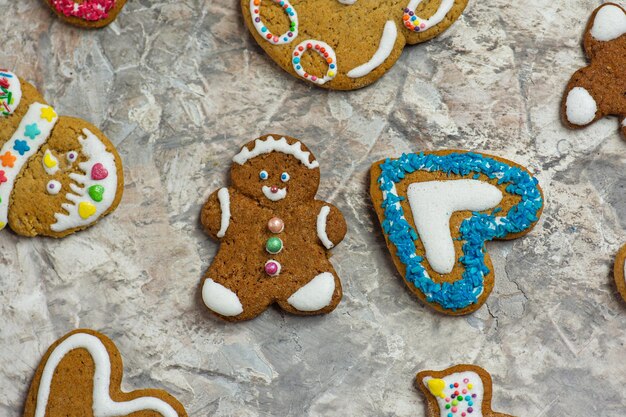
(8, 159)
(31, 131)
(48, 113)
(21, 146)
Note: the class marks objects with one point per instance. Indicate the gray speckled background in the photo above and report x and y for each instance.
(180, 85)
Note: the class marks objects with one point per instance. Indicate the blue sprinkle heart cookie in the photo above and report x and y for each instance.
(438, 209)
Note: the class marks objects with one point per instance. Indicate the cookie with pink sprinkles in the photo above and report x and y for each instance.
(91, 14)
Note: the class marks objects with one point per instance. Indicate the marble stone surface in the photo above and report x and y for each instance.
(180, 85)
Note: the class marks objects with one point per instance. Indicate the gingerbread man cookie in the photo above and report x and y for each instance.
(599, 89)
(438, 209)
(619, 271)
(58, 174)
(344, 44)
(275, 237)
(460, 391)
(91, 14)
(81, 375)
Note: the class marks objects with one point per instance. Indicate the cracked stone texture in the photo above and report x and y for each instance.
(178, 86)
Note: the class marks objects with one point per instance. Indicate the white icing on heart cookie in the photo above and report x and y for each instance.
(103, 405)
(432, 204)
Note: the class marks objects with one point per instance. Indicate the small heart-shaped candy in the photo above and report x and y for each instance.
(96, 192)
(99, 172)
(86, 210)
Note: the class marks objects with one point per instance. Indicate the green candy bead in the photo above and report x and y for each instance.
(274, 245)
(96, 192)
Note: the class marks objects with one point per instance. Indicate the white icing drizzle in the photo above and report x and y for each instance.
(433, 202)
(53, 187)
(288, 36)
(19, 141)
(387, 41)
(609, 23)
(277, 196)
(440, 14)
(348, 2)
(315, 295)
(269, 144)
(50, 163)
(477, 388)
(82, 202)
(580, 107)
(15, 90)
(321, 48)
(322, 218)
(103, 405)
(224, 198)
(220, 299)
(624, 269)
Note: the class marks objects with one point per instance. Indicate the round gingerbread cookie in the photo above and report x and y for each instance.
(91, 14)
(58, 174)
(344, 44)
(275, 237)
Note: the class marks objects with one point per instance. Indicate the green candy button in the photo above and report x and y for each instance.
(96, 192)
(274, 245)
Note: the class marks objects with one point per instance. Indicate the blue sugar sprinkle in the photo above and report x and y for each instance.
(474, 231)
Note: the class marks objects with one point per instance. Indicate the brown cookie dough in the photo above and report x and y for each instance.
(352, 42)
(81, 375)
(90, 14)
(461, 200)
(462, 390)
(274, 235)
(599, 89)
(619, 271)
(58, 174)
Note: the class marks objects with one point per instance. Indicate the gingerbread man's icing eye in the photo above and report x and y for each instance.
(71, 156)
(284, 177)
(264, 175)
(53, 187)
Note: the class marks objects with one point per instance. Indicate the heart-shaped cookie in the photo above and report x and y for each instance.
(460, 391)
(80, 375)
(87, 13)
(344, 44)
(50, 164)
(438, 209)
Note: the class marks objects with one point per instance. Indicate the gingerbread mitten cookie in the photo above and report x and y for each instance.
(438, 209)
(344, 44)
(460, 391)
(58, 175)
(275, 236)
(87, 13)
(81, 375)
(599, 89)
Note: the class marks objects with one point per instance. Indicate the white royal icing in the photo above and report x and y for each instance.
(315, 295)
(220, 299)
(96, 151)
(53, 187)
(103, 405)
(440, 14)
(19, 141)
(348, 2)
(50, 163)
(277, 196)
(465, 380)
(580, 107)
(269, 144)
(625, 270)
(10, 99)
(433, 202)
(387, 41)
(322, 218)
(321, 48)
(609, 24)
(290, 11)
(224, 198)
